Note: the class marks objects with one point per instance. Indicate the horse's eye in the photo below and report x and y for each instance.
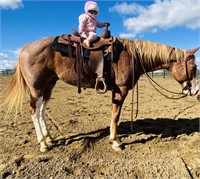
(194, 67)
(190, 57)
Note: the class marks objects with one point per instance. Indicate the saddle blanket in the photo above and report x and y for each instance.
(64, 49)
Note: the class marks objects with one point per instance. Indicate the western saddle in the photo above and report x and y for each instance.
(105, 40)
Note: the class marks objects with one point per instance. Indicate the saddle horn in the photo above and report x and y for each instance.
(106, 33)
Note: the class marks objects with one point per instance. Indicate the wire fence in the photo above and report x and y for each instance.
(165, 73)
(161, 73)
(5, 72)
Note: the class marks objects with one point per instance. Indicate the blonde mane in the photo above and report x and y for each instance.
(153, 53)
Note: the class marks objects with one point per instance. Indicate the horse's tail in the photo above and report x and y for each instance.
(15, 93)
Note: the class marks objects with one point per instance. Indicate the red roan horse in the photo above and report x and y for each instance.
(39, 67)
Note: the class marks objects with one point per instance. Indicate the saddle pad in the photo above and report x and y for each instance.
(64, 49)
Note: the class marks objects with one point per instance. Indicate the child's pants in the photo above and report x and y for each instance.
(90, 36)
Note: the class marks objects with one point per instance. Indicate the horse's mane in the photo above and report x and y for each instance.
(153, 53)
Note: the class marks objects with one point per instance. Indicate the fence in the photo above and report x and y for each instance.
(7, 71)
(162, 73)
(165, 73)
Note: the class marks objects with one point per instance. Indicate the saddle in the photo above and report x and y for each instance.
(70, 39)
(101, 44)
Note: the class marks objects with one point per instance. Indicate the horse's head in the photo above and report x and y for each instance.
(184, 70)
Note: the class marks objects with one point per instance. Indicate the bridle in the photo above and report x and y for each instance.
(188, 85)
(155, 84)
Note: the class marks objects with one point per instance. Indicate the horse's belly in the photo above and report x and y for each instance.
(84, 83)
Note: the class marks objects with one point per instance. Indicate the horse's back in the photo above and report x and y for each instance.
(32, 52)
(37, 46)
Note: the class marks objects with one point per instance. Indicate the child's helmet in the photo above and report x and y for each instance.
(91, 5)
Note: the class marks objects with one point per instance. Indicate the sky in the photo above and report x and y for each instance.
(170, 22)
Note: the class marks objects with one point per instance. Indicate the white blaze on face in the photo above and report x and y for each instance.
(193, 90)
(195, 86)
(198, 97)
(185, 88)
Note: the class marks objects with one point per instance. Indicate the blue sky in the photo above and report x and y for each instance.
(170, 22)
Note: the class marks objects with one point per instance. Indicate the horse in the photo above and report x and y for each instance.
(39, 67)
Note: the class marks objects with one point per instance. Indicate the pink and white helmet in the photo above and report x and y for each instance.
(91, 5)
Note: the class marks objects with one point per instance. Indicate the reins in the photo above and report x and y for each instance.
(152, 82)
(78, 66)
(132, 98)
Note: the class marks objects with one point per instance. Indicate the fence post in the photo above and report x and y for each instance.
(164, 73)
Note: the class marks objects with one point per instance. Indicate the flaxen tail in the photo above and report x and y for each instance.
(14, 96)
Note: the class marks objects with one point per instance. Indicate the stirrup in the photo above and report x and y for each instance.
(100, 81)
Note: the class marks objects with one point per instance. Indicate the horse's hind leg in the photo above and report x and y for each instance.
(43, 124)
(47, 95)
(38, 105)
(37, 110)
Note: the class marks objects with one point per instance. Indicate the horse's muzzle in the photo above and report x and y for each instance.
(100, 85)
(191, 88)
(198, 97)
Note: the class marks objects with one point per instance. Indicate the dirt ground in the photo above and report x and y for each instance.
(165, 141)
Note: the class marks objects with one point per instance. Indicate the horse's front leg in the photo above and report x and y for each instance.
(118, 97)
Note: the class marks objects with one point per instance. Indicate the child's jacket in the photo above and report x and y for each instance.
(89, 23)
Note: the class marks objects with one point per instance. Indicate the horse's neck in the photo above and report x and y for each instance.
(148, 65)
(152, 56)
(155, 66)
(159, 61)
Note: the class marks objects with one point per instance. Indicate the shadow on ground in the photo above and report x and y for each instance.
(163, 127)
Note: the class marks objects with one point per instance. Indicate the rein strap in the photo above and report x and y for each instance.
(153, 82)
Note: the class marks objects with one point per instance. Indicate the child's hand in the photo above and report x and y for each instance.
(107, 24)
(80, 31)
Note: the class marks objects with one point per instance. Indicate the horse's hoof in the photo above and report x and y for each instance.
(49, 142)
(198, 97)
(44, 149)
(116, 146)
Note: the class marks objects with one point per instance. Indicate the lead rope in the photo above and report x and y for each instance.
(153, 81)
(132, 100)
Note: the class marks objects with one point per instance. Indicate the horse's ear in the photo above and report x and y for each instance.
(172, 55)
(192, 52)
